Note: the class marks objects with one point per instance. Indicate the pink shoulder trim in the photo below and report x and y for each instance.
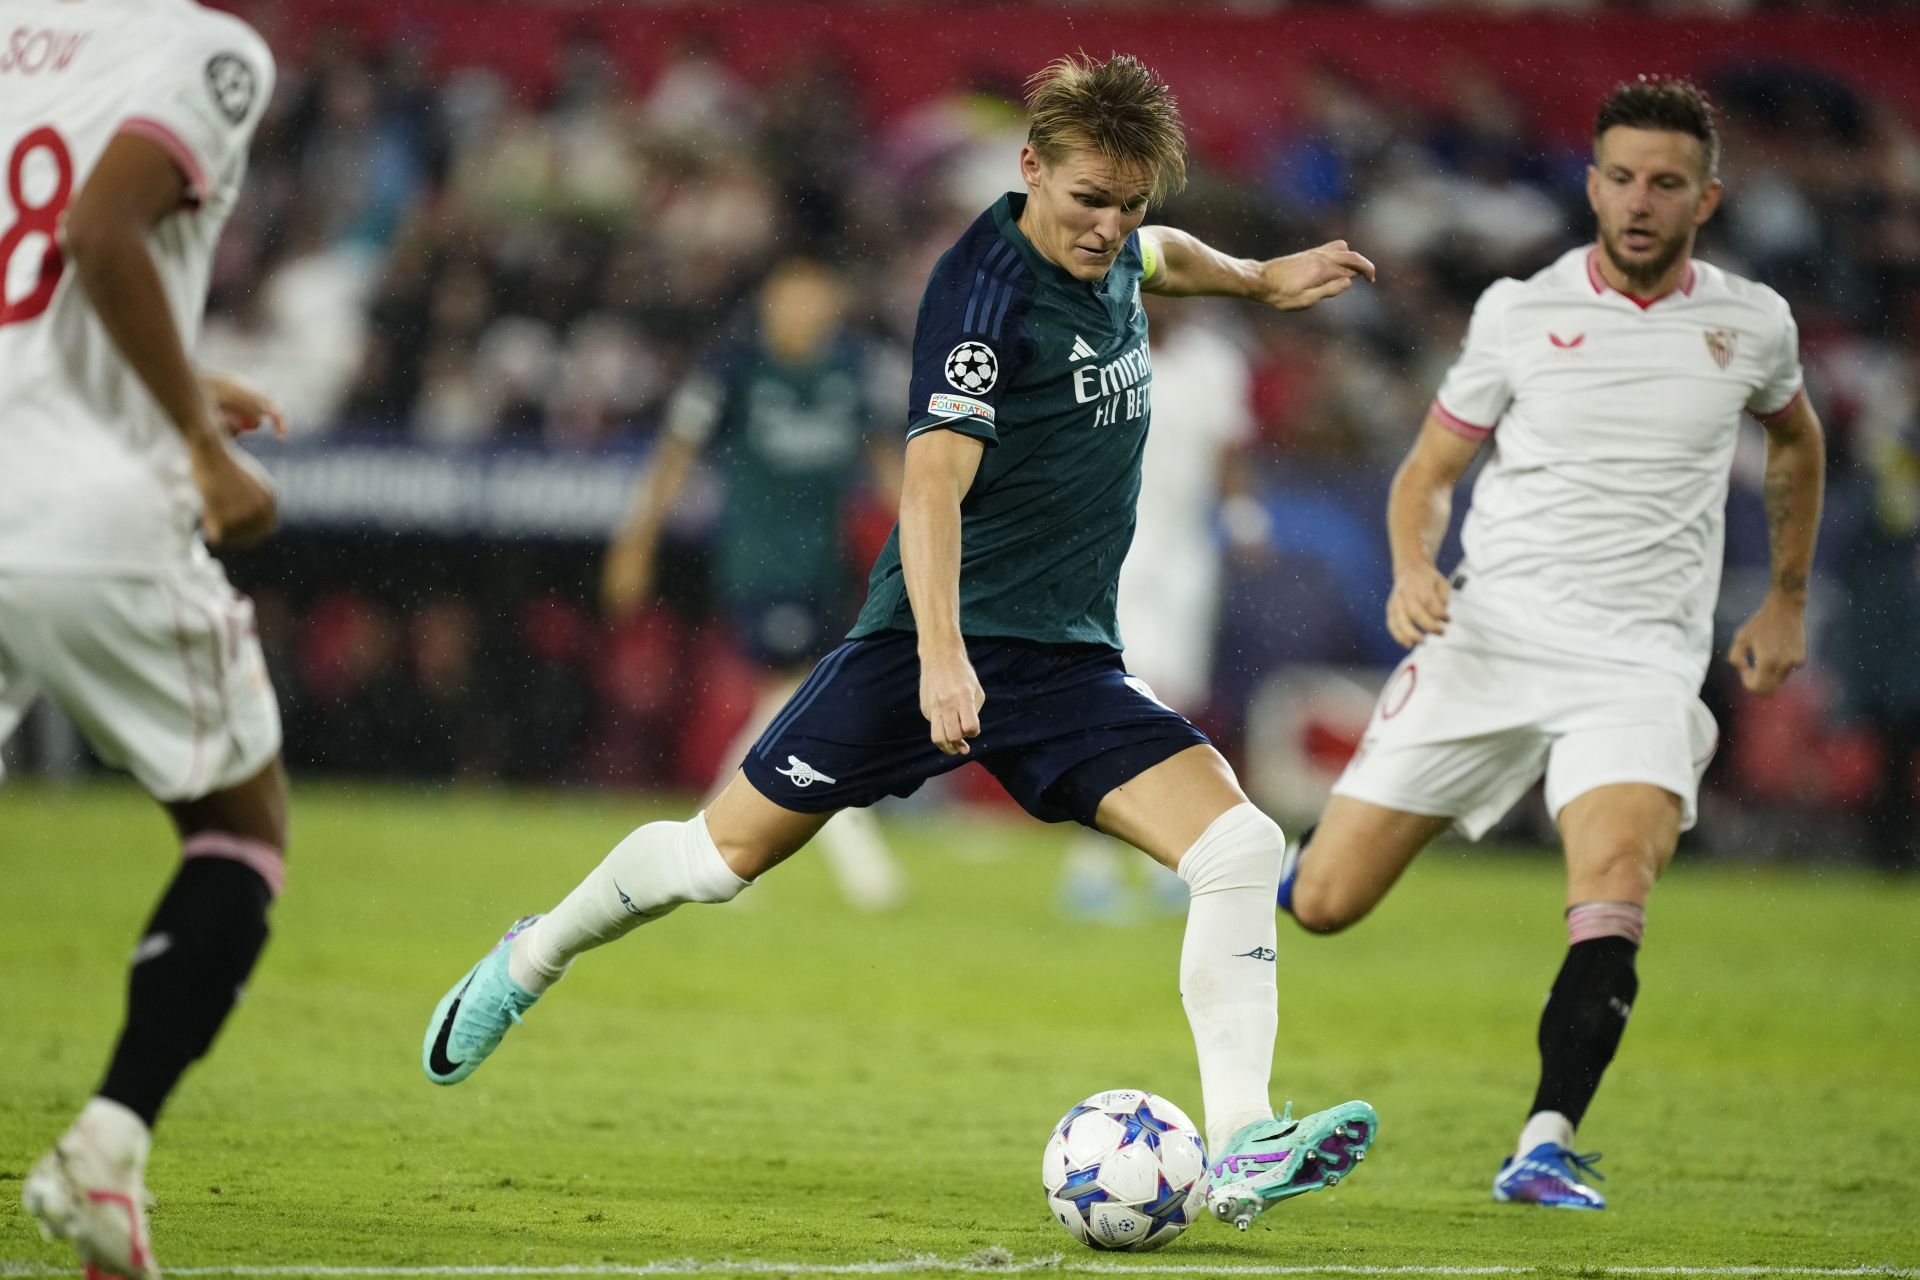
(1774, 415)
(170, 142)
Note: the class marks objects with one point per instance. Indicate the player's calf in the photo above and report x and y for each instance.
(1344, 865)
(191, 963)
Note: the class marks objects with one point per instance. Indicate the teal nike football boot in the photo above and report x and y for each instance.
(470, 1019)
(1270, 1160)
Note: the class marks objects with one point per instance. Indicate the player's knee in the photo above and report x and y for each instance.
(1241, 850)
(1322, 904)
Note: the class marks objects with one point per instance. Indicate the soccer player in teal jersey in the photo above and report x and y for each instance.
(989, 629)
(785, 406)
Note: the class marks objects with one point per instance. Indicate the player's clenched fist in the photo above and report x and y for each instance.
(238, 507)
(950, 699)
(1417, 608)
(1770, 646)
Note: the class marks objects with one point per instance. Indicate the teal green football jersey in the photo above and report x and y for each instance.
(1053, 374)
(790, 440)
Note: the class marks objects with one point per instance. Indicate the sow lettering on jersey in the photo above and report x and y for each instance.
(1116, 385)
(30, 218)
(30, 52)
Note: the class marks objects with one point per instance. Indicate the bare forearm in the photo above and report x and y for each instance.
(930, 561)
(1418, 508)
(665, 476)
(1189, 267)
(1791, 494)
(119, 277)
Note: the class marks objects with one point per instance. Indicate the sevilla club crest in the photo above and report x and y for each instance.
(1720, 345)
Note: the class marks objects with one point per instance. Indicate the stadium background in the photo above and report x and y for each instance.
(481, 243)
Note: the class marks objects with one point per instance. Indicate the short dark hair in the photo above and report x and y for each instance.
(1657, 102)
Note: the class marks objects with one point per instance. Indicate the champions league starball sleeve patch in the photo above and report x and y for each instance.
(973, 368)
(233, 85)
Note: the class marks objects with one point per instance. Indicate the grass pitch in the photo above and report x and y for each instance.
(783, 1080)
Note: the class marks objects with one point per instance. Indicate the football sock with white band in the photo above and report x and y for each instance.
(1227, 966)
(655, 869)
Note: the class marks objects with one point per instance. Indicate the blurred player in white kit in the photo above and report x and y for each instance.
(1572, 639)
(1170, 583)
(123, 133)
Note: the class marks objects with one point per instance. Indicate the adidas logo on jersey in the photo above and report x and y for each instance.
(1081, 351)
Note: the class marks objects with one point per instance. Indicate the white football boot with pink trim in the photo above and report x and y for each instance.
(90, 1190)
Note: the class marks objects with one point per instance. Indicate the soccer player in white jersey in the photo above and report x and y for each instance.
(123, 134)
(1169, 605)
(1572, 638)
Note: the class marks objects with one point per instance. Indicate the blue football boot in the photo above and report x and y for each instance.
(1271, 1160)
(470, 1019)
(1551, 1176)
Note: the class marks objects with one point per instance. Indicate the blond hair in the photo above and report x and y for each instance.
(1117, 108)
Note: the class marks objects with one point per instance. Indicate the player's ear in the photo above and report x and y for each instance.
(1709, 201)
(1593, 187)
(1032, 167)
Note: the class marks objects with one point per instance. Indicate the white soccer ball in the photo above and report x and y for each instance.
(1125, 1169)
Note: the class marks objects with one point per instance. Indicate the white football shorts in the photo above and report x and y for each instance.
(1462, 731)
(162, 673)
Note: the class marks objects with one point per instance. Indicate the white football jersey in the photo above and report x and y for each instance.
(1169, 602)
(1596, 528)
(93, 476)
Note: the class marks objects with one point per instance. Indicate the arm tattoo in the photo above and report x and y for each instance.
(1774, 495)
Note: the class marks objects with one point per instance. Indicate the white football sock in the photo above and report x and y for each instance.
(1227, 966)
(864, 867)
(652, 871)
(1545, 1126)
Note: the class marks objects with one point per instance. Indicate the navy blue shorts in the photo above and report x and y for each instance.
(1062, 726)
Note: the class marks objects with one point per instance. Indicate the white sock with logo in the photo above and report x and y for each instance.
(652, 871)
(1227, 966)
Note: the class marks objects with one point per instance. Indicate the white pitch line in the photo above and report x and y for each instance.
(988, 1264)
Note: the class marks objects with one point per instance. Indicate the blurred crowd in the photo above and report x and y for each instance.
(443, 258)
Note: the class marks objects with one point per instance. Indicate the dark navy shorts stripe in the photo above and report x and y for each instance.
(803, 696)
(1062, 726)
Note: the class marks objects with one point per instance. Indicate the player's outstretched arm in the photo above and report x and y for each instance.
(133, 187)
(1772, 644)
(1185, 266)
(626, 580)
(940, 469)
(1418, 507)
